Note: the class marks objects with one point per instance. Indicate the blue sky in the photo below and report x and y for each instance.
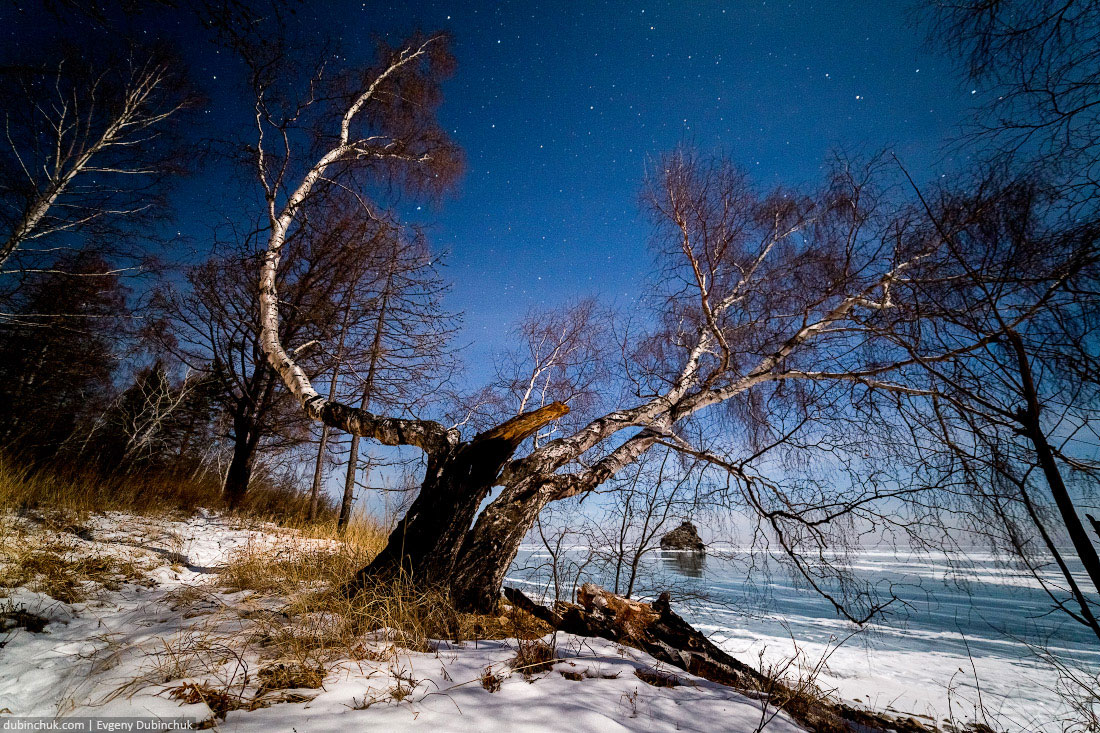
(560, 106)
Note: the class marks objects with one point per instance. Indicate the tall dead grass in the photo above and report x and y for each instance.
(24, 487)
(57, 502)
(273, 619)
(290, 621)
(318, 621)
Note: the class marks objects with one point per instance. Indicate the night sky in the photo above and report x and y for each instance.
(559, 107)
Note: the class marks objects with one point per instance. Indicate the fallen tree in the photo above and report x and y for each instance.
(660, 632)
(653, 628)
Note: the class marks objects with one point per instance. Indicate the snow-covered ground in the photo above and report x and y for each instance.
(158, 642)
(936, 687)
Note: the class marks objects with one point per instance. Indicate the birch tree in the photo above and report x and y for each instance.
(1037, 65)
(88, 147)
(763, 292)
(213, 330)
(160, 423)
(1015, 421)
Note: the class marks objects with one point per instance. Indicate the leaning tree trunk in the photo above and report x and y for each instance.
(427, 542)
(491, 545)
(493, 542)
(1030, 419)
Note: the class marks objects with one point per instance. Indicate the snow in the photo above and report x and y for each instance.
(977, 665)
(1019, 695)
(447, 695)
(124, 652)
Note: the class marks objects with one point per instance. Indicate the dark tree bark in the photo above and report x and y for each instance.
(428, 541)
(318, 473)
(491, 546)
(664, 635)
(239, 474)
(796, 295)
(368, 390)
(322, 446)
(1029, 418)
(349, 484)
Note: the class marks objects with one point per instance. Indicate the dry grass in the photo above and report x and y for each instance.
(293, 620)
(315, 557)
(404, 688)
(317, 622)
(490, 681)
(80, 492)
(792, 686)
(293, 613)
(292, 632)
(533, 656)
(274, 619)
(308, 574)
(62, 501)
(47, 556)
(657, 678)
(283, 676)
(219, 701)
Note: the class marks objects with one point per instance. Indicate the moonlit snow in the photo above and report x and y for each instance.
(107, 657)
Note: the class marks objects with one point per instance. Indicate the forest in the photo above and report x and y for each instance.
(874, 359)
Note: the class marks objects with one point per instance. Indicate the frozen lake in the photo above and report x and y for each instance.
(953, 642)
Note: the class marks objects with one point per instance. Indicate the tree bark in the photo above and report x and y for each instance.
(319, 468)
(239, 474)
(368, 390)
(318, 474)
(427, 542)
(492, 544)
(1029, 416)
(1086, 617)
(349, 485)
(663, 634)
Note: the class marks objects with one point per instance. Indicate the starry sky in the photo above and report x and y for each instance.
(560, 106)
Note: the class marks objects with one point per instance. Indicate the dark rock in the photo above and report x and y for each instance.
(684, 537)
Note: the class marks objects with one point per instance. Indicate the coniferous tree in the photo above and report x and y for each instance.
(59, 348)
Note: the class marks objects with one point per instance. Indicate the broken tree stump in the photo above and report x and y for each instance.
(657, 630)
